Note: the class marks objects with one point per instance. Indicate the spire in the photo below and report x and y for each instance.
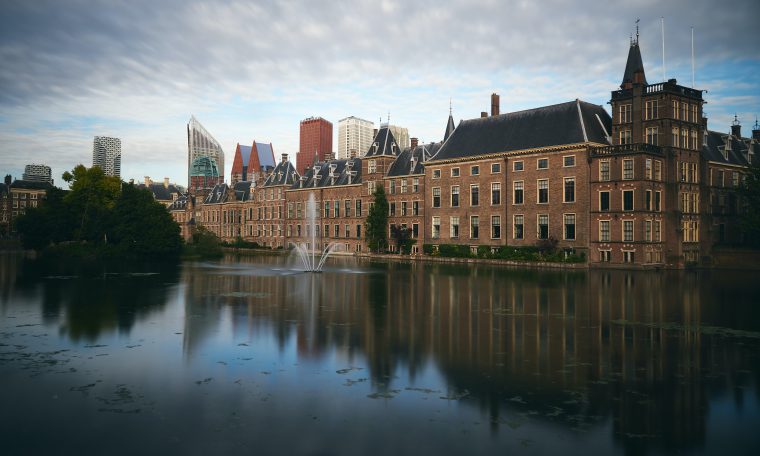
(634, 67)
(449, 125)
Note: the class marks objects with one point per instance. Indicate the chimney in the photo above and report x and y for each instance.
(414, 142)
(483, 114)
(494, 104)
(736, 128)
(374, 132)
(8, 180)
(284, 158)
(166, 182)
(147, 180)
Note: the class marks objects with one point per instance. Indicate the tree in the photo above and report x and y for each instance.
(750, 216)
(92, 197)
(376, 225)
(142, 226)
(403, 236)
(50, 222)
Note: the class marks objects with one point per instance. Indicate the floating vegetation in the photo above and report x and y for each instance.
(347, 370)
(423, 390)
(456, 396)
(390, 394)
(204, 381)
(350, 382)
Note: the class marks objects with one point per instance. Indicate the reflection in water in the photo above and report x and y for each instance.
(650, 359)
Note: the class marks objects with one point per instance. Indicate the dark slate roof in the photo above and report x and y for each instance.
(242, 190)
(160, 192)
(449, 128)
(340, 169)
(266, 155)
(217, 195)
(30, 185)
(383, 144)
(405, 166)
(633, 64)
(738, 154)
(245, 154)
(283, 174)
(179, 204)
(566, 123)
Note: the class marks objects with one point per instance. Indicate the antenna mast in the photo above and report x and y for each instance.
(692, 57)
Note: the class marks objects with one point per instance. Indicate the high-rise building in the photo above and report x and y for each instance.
(201, 144)
(106, 153)
(316, 139)
(402, 136)
(38, 173)
(354, 137)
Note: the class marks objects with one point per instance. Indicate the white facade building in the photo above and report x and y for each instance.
(354, 136)
(106, 153)
(200, 143)
(38, 173)
(401, 135)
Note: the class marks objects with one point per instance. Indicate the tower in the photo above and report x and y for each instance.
(106, 154)
(315, 138)
(201, 144)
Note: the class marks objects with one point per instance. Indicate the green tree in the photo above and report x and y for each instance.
(92, 197)
(142, 226)
(376, 225)
(403, 237)
(750, 216)
(204, 244)
(51, 222)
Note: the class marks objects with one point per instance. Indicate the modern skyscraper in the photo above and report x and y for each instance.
(316, 139)
(201, 144)
(38, 173)
(106, 153)
(354, 137)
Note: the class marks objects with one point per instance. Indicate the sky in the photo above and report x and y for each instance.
(252, 70)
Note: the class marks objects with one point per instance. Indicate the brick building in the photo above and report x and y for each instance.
(316, 140)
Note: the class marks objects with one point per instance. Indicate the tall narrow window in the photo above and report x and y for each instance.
(543, 191)
(495, 227)
(474, 195)
(518, 190)
(604, 230)
(604, 170)
(651, 110)
(627, 200)
(474, 228)
(674, 137)
(625, 137)
(648, 230)
(648, 168)
(455, 196)
(570, 227)
(651, 135)
(436, 227)
(627, 230)
(648, 200)
(543, 226)
(496, 193)
(569, 189)
(628, 168)
(604, 201)
(519, 226)
(436, 197)
(454, 227)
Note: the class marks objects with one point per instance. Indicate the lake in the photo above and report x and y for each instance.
(248, 355)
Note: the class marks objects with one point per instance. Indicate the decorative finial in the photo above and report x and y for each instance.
(637, 30)
(757, 125)
(449, 105)
(389, 118)
(736, 119)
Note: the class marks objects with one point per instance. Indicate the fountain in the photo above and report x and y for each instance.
(310, 260)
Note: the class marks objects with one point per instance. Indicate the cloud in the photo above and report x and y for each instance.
(137, 70)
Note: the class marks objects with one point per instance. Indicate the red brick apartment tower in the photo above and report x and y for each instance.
(645, 187)
(316, 139)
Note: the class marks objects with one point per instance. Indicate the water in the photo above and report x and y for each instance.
(246, 355)
(307, 253)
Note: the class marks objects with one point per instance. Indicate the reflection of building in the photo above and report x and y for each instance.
(201, 144)
(39, 173)
(316, 140)
(106, 154)
(354, 137)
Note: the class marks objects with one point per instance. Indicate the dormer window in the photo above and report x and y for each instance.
(371, 166)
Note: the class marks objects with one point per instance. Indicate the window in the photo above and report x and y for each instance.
(675, 109)
(347, 208)
(651, 136)
(496, 193)
(327, 209)
(648, 200)
(474, 229)
(625, 113)
(543, 191)
(625, 137)
(604, 201)
(693, 134)
(628, 169)
(495, 227)
(392, 208)
(684, 138)
(392, 187)
(474, 195)
(604, 256)
(436, 196)
(415, 230)
(627, 230)
(568, 161)
(627, 200)
(694, 110)
(403, 186)
(628, 256)
(569, 227)
(358, 231)
(657, 170)
(651, 110)
(358, 208)
(436, 174)
(474, 170)
(657, 235)
(436, 227)
(337, 230)
(454, 172)
(604, 170)
(403, 209)
(415, 184)
(518, 191)
(454, 225)
(542, 163)
(415, 208)
(569, 189)
(519, 222)
(648, 168)
(495, 168)
(336, 209)
(371, 187)
(648, 230)
(347, 229)
(604, 230)
(735, 179)
(543, 226)
(684, 111)
(657, 199)
(674, 137)
(326, 231)
(371, 166)
(455, 196)
(518, 166)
